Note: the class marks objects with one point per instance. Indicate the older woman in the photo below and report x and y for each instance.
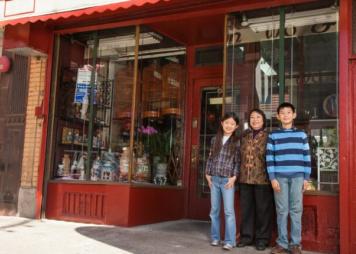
(256, 197)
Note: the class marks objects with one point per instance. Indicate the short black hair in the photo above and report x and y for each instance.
(286, 105)
(260, 112)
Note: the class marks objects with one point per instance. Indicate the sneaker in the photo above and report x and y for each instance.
(227, 246)
(295, 250)
(279, 250)
(215, 243)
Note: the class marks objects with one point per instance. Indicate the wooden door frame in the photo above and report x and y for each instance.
(194, 201)
(193, 73)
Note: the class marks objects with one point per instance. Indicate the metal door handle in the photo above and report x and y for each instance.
(194, 155)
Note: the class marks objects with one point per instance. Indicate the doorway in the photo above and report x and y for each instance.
(13, 99)
(206, 114)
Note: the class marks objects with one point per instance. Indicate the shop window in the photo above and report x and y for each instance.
(99, 138)
(309, 80)
(159, 120)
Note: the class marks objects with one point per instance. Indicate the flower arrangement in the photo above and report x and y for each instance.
(156, 143)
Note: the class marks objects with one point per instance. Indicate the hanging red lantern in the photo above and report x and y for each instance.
(4, 64)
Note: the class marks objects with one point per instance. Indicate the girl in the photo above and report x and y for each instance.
(221, 172)
(256, 200)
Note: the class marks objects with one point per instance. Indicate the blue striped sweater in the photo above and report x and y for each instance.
(288, 154)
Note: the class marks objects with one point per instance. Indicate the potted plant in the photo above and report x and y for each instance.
(157, 144)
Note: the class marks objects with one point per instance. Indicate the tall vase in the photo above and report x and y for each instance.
(161, 174)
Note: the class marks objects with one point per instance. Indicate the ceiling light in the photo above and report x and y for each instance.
(127, 41)
(296, 19)
(244, 21)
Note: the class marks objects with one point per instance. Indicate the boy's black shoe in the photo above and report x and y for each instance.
(242, 244)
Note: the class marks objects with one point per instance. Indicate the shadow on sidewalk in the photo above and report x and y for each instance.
(183, 236)
(15, 225)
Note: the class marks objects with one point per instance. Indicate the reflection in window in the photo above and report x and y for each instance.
(93, 133)
(311, 76)
(91, 143)
(159, 120)
(210, 116)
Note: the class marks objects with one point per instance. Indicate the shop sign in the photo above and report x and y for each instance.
(4, 64)
(82, 88)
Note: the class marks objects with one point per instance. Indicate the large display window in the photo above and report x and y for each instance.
(265, 67)
(117, 109)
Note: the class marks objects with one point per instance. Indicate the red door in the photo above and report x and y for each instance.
(206, 112)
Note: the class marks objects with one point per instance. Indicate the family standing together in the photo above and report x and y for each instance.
(272, 170)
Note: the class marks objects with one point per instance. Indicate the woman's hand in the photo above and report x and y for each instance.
(230, 182)
(208, 178)
(305, 185)
(275, 185)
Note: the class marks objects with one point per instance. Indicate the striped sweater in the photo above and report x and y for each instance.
(288, 154)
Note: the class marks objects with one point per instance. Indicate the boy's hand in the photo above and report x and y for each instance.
(230, 183)
(208, 178)
(305, 185)
(275, 185)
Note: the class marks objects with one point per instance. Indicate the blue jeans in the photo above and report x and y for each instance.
(289, 201)
(217, 191)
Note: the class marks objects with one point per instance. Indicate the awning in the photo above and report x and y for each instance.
(79, 12)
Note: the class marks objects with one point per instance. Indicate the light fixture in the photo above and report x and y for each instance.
(152, 53)
(266, 68)
(244, 21)
(296, 19)
(127, 41)
(335, 5)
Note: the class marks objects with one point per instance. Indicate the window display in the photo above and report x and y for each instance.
(309, 79)
(158, 144)
(94, 103)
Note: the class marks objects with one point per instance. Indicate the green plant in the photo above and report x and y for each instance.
(156, 143)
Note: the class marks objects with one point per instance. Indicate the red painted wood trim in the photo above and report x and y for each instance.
(79, 12)
(229, 7)
(345, 124)
(47, 95)
(187, 128)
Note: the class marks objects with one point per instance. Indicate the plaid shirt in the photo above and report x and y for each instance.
(226, 164)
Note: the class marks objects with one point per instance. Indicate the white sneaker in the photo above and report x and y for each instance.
(227, 246)
(215, 243)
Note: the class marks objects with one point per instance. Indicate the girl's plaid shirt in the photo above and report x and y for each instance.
(227, 162)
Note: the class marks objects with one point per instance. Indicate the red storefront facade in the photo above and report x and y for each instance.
(329, 219)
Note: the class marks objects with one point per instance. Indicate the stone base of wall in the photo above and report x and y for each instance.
(27, 203)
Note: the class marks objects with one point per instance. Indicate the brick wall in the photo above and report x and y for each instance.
(33, 125)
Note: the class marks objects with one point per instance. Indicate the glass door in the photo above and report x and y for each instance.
(207, 109)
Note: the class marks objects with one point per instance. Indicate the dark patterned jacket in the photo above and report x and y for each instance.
(226, 164)
(253, 158)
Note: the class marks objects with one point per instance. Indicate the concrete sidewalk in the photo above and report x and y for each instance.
(25, 236)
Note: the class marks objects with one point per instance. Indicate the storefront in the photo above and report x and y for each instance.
(132, 100)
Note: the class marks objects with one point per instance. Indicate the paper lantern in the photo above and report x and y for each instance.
(4, 64)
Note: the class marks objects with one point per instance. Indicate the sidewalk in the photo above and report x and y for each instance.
(25, 236)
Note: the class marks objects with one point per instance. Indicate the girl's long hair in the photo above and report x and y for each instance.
(260, 112)
(220, 133)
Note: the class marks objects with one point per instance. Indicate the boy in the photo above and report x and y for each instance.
(288, 166)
